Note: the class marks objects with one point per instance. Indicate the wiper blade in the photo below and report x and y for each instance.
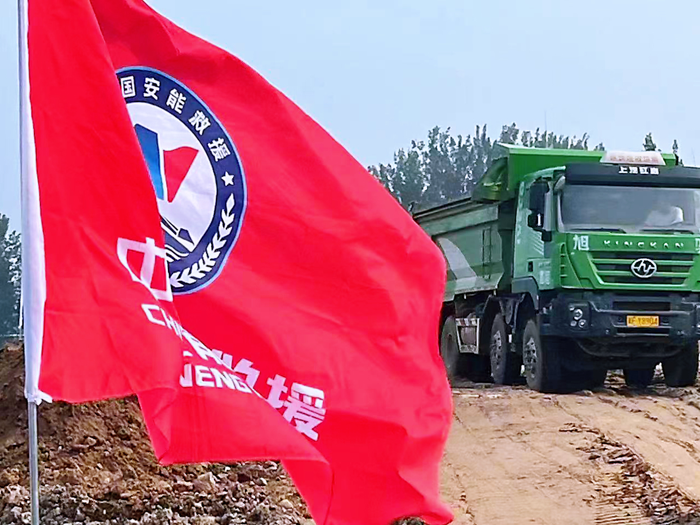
(668, 230)
(600, 229)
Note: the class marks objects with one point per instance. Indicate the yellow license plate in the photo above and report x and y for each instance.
(643, 321)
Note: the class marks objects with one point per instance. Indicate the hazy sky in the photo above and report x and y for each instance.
(380, 73)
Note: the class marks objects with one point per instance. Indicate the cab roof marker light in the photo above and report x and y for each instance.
(646, 158)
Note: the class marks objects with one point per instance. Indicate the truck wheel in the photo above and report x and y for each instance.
(505, 365)
(449, 349)
(541, 360)
(682, 368)
(596, 378)
(640, 378)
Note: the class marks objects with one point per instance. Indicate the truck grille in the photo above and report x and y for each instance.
(615, 267)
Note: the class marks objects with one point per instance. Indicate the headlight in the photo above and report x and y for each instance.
(579, 316)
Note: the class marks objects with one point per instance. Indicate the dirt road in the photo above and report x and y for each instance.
(612, 456)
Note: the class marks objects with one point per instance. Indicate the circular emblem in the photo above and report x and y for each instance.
(196, 174)
(644, 268)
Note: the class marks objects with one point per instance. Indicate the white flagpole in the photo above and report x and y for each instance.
(33, 270)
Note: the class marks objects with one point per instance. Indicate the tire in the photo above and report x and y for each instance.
(541, 359)
(682, 368)
(449, 349)
(640, 377)
(505, 365)
(596, 378)
(577, 380)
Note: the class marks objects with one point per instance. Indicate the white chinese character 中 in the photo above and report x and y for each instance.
(152, 255)
(304, 407)
(200, 122)
(128, 87)
(581, 243)
(219, 149)
(176, 100)
(151, 87)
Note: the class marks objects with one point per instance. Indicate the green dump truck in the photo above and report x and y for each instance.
(565, 264)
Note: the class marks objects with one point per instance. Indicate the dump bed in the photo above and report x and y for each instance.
(476, 235)
(467, 232)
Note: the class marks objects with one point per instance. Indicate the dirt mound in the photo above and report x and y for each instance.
(97, 466)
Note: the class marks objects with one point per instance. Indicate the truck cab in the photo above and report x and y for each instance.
(565, 264)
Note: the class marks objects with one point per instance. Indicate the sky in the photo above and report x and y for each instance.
(380, 73)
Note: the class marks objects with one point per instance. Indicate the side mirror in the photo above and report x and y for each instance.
(537, 206)
(538, 191)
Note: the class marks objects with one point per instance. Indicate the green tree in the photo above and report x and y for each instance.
(10, 273)
(404, 178)
(446, 167)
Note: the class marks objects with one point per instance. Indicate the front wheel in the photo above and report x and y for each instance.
(682, 368)
(596, 378)
(639, 378)
(541, 359)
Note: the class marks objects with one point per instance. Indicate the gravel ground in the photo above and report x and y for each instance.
(97, 467)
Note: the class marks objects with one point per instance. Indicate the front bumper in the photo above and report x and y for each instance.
(605, 316)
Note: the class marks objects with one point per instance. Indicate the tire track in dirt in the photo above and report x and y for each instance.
(510, 468)
(606, 457)
(629, 488)
(660, 428)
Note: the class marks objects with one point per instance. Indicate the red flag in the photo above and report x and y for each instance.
(309, 298)
(85, 246)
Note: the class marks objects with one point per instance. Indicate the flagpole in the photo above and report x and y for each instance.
(33, 461)
(27, 240)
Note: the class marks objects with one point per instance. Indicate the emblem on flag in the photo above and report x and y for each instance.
(196, 174)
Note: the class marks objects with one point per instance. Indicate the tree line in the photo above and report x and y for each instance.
(10, 277)
(446, 167)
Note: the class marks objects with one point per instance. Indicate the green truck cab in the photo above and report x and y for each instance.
(568, 263)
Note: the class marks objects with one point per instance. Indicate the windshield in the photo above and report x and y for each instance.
(629, 208)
